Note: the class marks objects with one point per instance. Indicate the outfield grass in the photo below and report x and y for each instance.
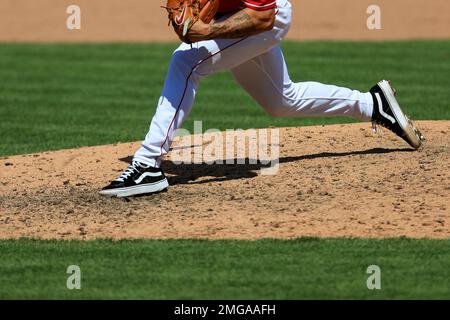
(265, 269)
(55, 96)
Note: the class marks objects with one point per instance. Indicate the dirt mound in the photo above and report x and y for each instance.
(333, 181)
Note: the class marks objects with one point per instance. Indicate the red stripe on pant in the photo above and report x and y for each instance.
(185, 89)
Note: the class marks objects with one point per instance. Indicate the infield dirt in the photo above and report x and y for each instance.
(333, 181)
(144, 20)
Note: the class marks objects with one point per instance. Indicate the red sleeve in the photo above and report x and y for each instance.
(260, 5)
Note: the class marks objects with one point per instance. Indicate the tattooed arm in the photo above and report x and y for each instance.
(244, 23)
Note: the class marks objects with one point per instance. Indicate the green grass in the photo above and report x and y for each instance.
(55, 96)
(189, 269)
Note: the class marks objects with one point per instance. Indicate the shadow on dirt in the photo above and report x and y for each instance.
(243, 168)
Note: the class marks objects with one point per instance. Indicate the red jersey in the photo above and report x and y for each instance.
(231, 5)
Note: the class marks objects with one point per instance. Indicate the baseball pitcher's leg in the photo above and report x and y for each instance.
(267, 80)
(271, 86)
(188, 65)
(191, 63)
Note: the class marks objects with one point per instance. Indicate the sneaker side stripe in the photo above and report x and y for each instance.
(147, 174)
(380, 109)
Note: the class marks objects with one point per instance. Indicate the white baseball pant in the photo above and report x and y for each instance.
(258, 65)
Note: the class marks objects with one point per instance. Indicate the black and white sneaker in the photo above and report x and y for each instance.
(387, 113)
(135, 180)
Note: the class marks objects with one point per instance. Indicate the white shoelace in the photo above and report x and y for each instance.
(132, 168)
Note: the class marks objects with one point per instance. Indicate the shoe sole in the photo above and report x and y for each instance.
(411, 134)
(147, 188)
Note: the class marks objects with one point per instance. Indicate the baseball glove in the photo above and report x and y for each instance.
(183, 14)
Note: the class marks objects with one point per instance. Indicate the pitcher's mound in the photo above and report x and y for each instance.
(333, 181)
